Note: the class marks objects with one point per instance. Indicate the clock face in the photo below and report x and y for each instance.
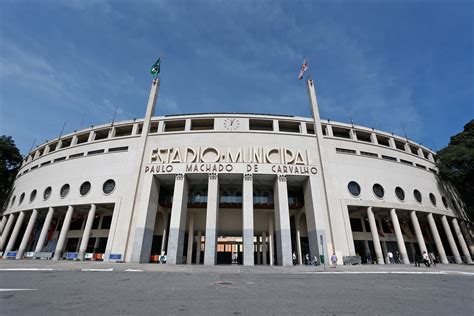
(231, 124)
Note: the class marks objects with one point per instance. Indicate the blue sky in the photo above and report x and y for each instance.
(386, 62)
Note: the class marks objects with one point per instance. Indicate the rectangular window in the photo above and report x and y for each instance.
(399, 145)
(389, 158)
(383, 141)
(45, 163)
(66, 142)
(414, 150)
(102, 134)
(420, 166)
(140, 129)
(426, 154)
(76, 155)
(202, 125)
(82, 138)
(117, 149)
(325, 130)
(95, 152)
(289, 127)
(341, 132)
(310, 128)
(345, 151)
(406, 162)
(52, 147)
(154, 127)
(368, 154)
(432, 170)
(261, 125)
(174, 126)
(59, 159)
(34, 167)
(363, 137)
(123, 131)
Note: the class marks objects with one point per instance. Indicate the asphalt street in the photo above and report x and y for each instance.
(206, 293)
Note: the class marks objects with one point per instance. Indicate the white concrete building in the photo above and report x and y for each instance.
(232, 188)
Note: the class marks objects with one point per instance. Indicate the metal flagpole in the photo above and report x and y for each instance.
(404, 131)
(113, 117)
(34, 140)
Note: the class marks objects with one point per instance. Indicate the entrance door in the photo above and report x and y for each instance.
(229, 250)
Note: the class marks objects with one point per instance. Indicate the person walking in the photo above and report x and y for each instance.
(426, 259)
(333, 260)
(398, 258)
(294, 258)
(306, 259)
(390, 257)
(432, 259)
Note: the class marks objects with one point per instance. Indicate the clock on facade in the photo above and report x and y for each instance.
(231, 124)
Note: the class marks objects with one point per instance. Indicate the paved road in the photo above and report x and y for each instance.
(119, 292)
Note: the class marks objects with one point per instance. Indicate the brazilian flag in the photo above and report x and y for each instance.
(155, 69)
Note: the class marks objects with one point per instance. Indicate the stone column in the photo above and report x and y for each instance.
(298, 239)
(87, 232)
(146, 207)
(418, 233)
(6, 231)
(468, 237)
(271, 238)
(44, 230)
(437, 239)
(2, 224)
(247, 219)
(451, 241)
(198, 248)
(258, 250)
(212, 218)
(375, 236)
(264, 248)
(165, 231)
(282, 222)
(462, 243)
(398, 233)
(63, 235)
(27, 234)
(16, 230)
(178, 220)
(189, 257)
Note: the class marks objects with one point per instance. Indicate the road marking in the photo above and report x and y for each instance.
(134, 270)
(392, 272)
(26, 269)
(9, 290)
(98, 270)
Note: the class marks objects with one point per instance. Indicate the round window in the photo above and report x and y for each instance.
(445, 203)
(85, 188)
(400, 193)
(64, 190)
(13, 200)
(32, 196)
(108, 186)
(22, 197)
(47, 193)
(433, 199)
(378, 190)
(417, 196)
(354, 188)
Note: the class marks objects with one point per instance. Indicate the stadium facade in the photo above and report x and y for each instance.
(232, 189)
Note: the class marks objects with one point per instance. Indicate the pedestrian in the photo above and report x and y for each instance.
(294, 258)
(315, 261)
(426, 259)
(390, 257)
(397, 257)
(306, 259)
(333, 260)
(369, 257)
(433, 259)
(417, 261)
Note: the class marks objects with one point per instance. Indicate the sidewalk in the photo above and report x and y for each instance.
(17, 265)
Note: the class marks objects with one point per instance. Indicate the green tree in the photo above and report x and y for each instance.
(10, 161)
(456, 165)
